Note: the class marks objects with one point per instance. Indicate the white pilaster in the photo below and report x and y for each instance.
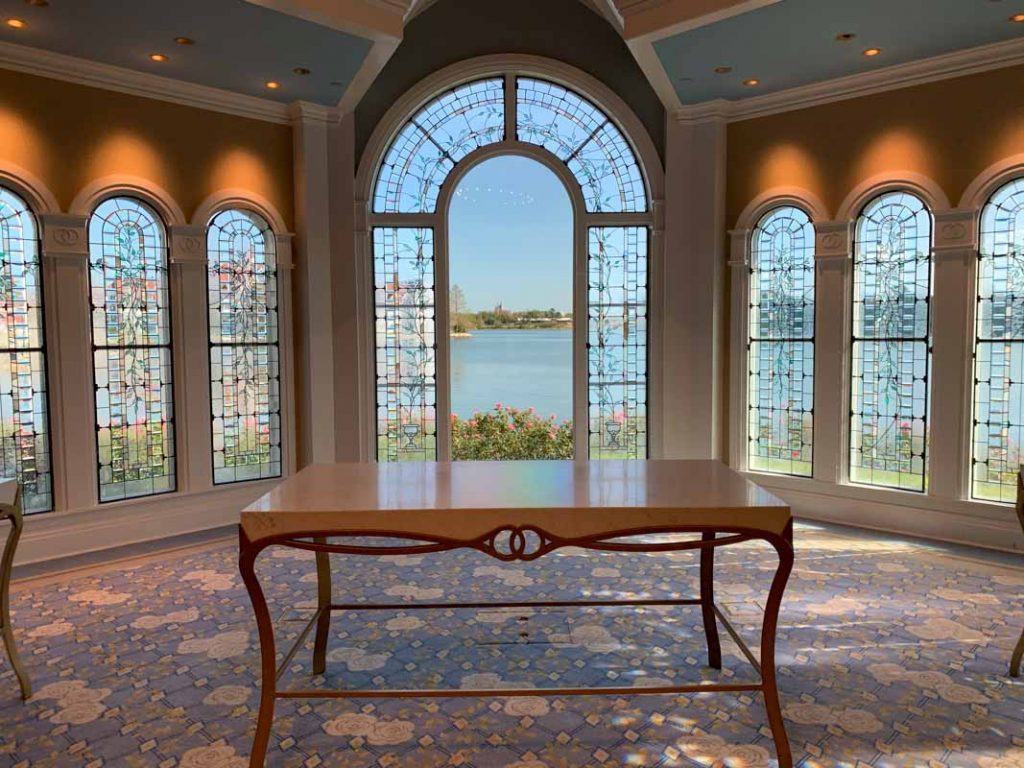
(313, 280)
(65, 251)
(955, 253)
(739, 281)
(693, 275)
(191, 355)
(832, 255)
(286, 336)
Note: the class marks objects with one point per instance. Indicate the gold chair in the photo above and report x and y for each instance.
(1018, 652)
(10, 509)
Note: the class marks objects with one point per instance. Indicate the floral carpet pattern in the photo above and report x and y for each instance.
(891, 653)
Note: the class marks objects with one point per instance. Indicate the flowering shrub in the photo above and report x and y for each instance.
(510, 433)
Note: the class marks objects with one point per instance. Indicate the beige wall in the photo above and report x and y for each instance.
(950, 131)
(69, 135)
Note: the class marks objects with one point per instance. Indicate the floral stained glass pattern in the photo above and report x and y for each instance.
(586, 140)
(998, 428)
(780, 425)
(891, 356)
(404, 304)
(24, 427)
(436, 138)
(244, 359)
(131, 350)
(617, 342)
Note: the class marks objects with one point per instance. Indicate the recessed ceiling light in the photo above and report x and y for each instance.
(723, 70)
(273, 85)
(184, 41)
(845, 37)
(1017, 17)
(158, 57)
(872, 51)
(300, 71)
(16, 23)
(752, 82)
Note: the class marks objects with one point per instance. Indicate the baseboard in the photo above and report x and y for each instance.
(60, 535)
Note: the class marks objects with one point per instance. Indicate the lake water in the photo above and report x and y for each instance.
(518, 368)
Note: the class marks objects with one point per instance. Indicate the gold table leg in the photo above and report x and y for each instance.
(268, 652)
(323, 598)
(707, 602)
(1018, 654)
(6, 566)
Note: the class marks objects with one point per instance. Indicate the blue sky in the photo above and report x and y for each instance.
(510, 235)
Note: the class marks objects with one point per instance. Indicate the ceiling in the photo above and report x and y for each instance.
(793, 42)
(239, 46)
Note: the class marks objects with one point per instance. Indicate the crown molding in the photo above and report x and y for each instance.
(308, 112)
(947, 66)
(59, 66)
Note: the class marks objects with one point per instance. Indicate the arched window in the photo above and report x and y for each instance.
(583, 144)
(24, 427)
(244, 361)
(999, 347)
(131, 333)
(780, 365)
(891, 350)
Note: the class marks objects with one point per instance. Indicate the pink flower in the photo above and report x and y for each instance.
(553, 434)
(472, 422)
(511, 426)
(531, 409)
(497, 406)
(552, 417)
(455, 417)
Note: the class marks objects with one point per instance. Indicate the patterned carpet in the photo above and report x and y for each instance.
(892, 653)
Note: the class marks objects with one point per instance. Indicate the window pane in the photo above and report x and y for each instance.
(132, 359)
(434, 140)
(244, 366)
(999, 348)
(780, 427)
(617, 342)
(584, 138)
(403, 283)
(24, 424)
(891, 354)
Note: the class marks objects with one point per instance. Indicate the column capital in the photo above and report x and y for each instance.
(739, 248)
(65, 236)
(188, 245)
(832, 240)
(956, 233)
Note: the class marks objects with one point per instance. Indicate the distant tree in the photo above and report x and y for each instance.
(456, 309)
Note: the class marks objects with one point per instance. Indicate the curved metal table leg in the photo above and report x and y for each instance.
(323, 599)
(268, 653)
(6, 566)
(1018, 654)
(770, 688)
(707, 602)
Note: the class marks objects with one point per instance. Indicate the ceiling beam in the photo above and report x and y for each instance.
(660, 18)
(372, 19)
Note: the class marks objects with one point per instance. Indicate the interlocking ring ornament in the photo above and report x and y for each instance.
(517, 543)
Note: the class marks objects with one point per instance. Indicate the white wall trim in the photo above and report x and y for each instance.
(235, 197)
(991, 179)
(893, 181)
(946, 66)
(72, 69)
(98, 190)
(55, 535)
(29, 187)
(776, 197)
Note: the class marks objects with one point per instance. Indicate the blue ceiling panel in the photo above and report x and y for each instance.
(793, 42)
(238, 46)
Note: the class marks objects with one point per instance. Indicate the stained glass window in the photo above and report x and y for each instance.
(780, 424)
(586, 140)
(403, 283)
(617, 342)
(428, 146)
(999, 348)
(245, 392)
(24, 427)
(891, 356)
(131, 335)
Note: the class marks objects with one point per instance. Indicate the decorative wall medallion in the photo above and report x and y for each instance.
(66, 236)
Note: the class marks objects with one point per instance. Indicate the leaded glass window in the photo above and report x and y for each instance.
(586, 140)
(891, 355)
(131, 335)
(999, 348)
(617, 342)
(24, 425)
(780, 424)
(403, 283)
(428, 146)
(245, 390)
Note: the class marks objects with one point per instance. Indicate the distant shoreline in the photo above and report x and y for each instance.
(530, 327)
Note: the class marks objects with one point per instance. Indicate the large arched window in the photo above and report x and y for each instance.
(586, 148)
(24, 428)
(244, 361)
(891, 349)
(780, 427)
(131, 333)
(999, 347)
